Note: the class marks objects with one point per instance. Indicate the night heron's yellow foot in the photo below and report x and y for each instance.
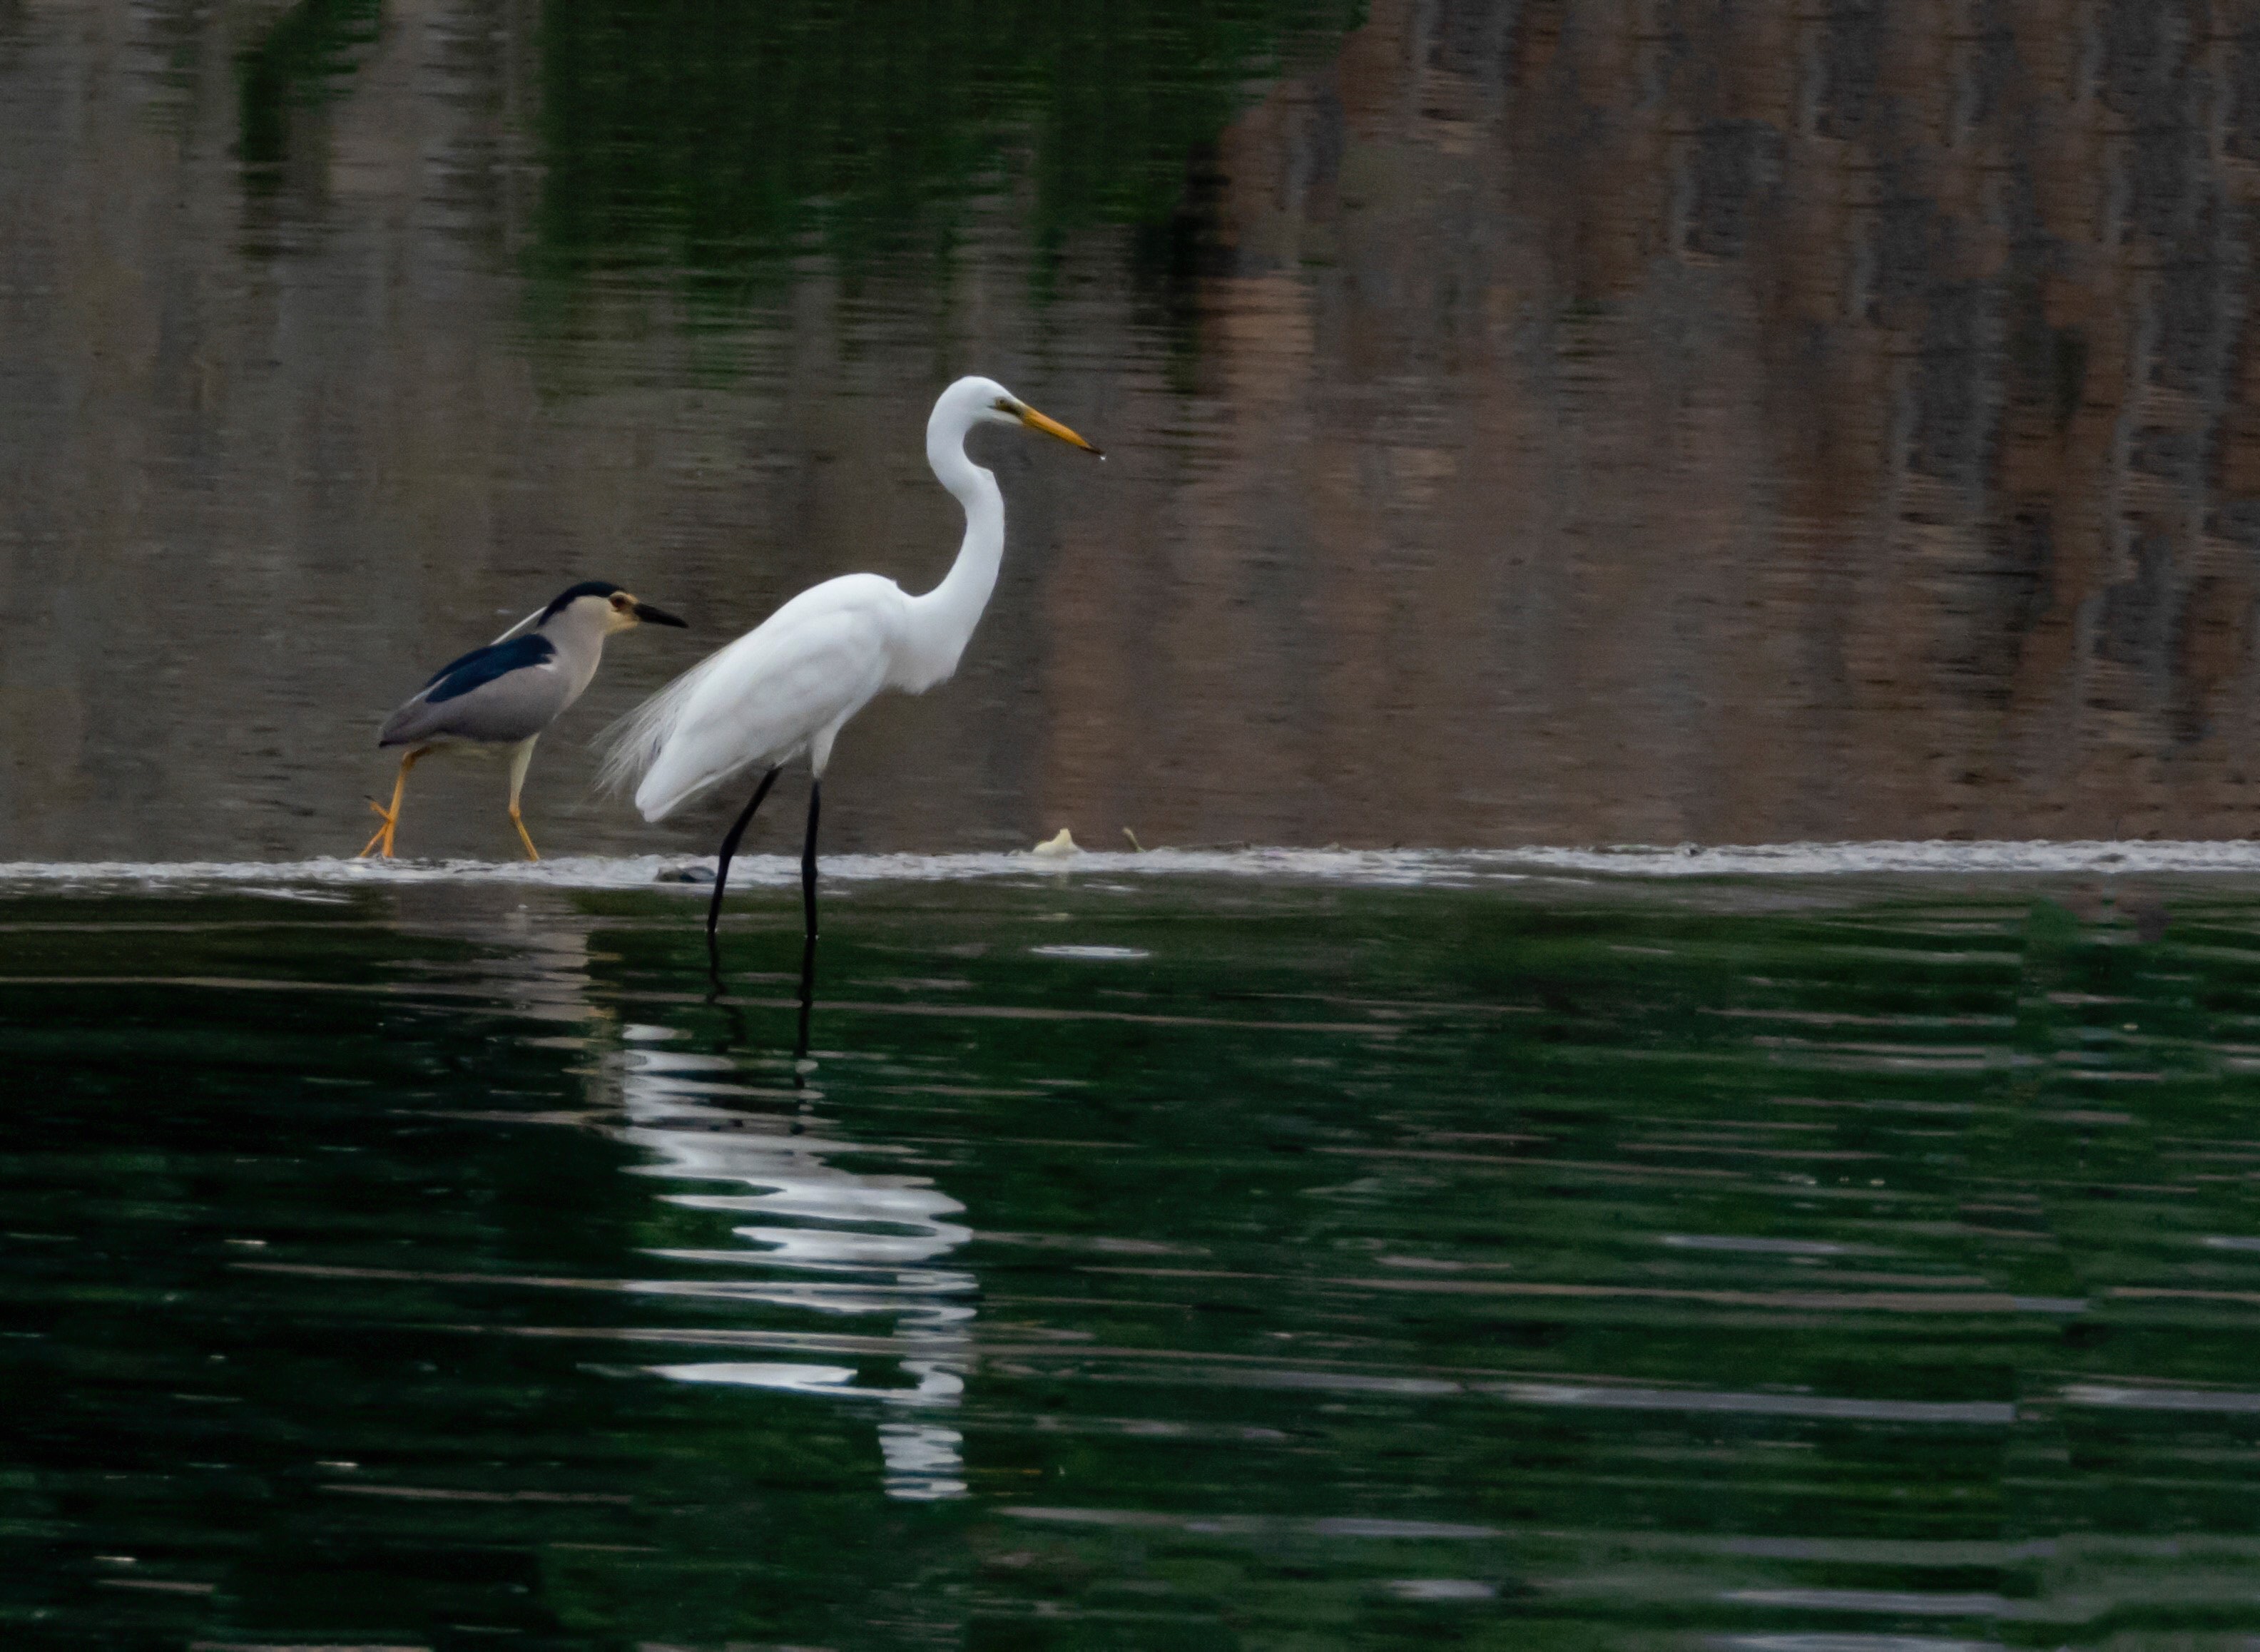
(532, 853)
(383, 834)
(383, 841)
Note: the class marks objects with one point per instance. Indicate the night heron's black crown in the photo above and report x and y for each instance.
(586, 588)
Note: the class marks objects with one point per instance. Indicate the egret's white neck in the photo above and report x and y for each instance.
(943, 620)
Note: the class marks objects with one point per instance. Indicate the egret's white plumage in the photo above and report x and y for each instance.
(784, 689)
(779, 692)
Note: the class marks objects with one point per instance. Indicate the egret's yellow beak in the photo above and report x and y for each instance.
(1035, 421)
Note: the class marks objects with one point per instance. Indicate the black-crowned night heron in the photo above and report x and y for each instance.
(507, 694)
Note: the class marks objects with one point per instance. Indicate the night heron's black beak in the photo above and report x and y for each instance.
(652, 615)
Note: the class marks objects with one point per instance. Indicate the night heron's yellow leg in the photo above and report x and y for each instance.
(518, 760)
(390, 817)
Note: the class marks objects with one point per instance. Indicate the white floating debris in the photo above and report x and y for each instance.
(1441, 1589)
(1063, 844)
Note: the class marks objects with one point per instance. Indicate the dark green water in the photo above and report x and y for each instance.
(1793, 1265)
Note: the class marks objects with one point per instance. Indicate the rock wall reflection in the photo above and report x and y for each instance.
(1772, 421)
(1549, 422)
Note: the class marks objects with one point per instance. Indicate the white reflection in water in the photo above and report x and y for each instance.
(1441, 1589)
(820, 1238)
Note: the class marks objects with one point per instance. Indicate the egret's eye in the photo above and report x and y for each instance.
(620, 602)
(1004, 405)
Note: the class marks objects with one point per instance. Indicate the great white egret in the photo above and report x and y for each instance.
(786, 688)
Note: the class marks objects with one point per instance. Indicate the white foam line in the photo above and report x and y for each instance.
(1935, 854)
(755, 870)
(1447, 868)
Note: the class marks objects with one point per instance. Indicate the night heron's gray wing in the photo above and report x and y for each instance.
(498, 694)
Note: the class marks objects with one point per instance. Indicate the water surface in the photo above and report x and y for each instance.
(1341, 1257)
(1531, 421)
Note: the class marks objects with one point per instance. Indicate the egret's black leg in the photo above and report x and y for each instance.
(807, 1003)
(722, 872)
(808, 863)
(808, 882)
(808, 915)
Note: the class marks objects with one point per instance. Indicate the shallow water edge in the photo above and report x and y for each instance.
(1443, 868)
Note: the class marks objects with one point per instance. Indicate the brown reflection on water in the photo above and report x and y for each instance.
(1551, 422)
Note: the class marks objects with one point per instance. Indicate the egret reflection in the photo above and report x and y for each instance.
(820, 1240)
(817, 1238)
